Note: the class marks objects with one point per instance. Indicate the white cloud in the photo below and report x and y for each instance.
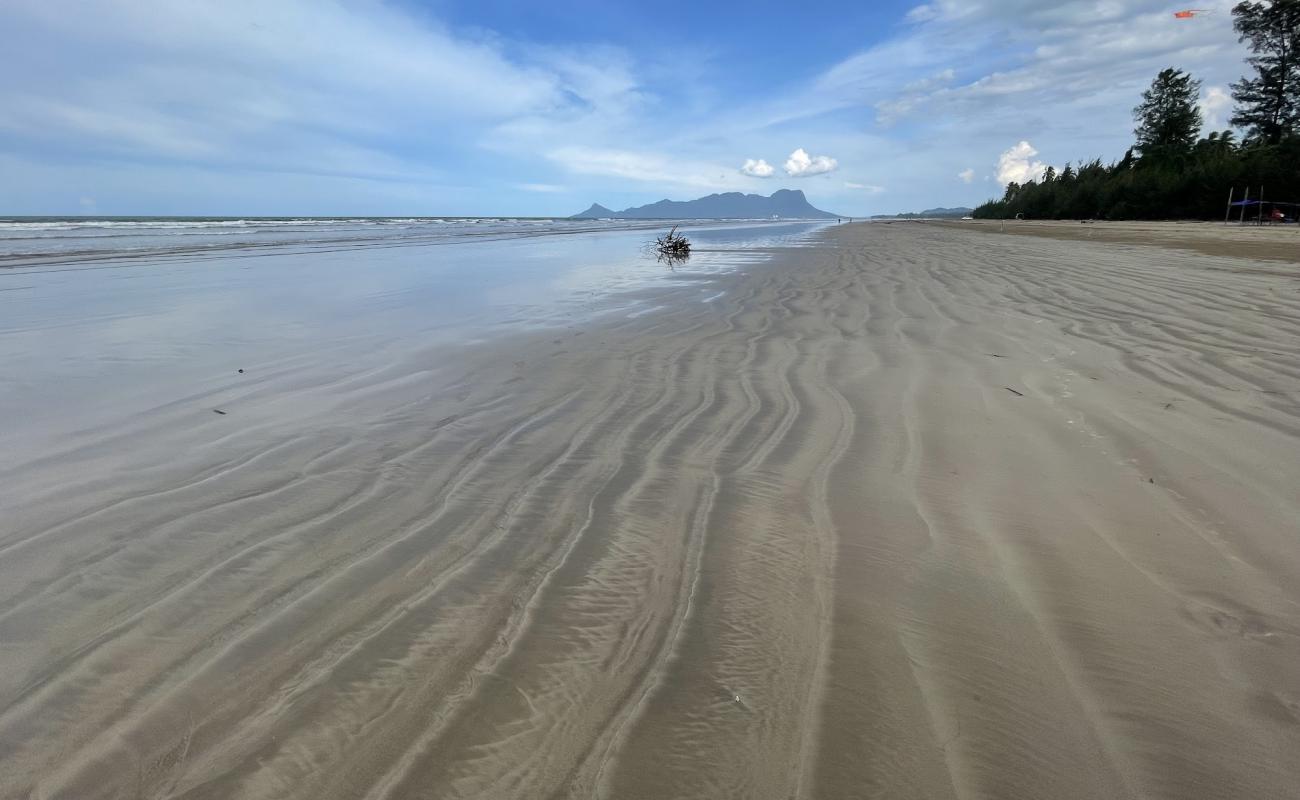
(539, 187)
(1215, 101)
(912, 95)
(639, 166)
(368, 94)
(1016, 165)
(1070, 71)
(758, 168)
(325, 88)
(801, 165)
(922, 13)
(866, 187)
(597, 75)
(967, 175)
(940, 78)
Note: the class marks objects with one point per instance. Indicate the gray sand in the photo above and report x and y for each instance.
(919, 512)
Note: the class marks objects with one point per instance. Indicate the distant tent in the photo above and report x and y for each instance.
(1263, 202)
(1269, 211)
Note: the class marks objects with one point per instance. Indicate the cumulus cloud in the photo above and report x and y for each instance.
(1017, 164)
(967, 175)
(802, 165)
(1213, 103)
(758, 168)
(866, 187)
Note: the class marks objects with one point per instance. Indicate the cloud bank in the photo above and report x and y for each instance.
(758, 168)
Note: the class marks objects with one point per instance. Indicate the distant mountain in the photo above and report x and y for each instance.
(929, 213)
(787, 203)
(597, 211)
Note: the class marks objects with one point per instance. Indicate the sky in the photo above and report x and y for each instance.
(484, 107)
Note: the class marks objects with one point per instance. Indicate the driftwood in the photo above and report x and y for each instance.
(673, 247)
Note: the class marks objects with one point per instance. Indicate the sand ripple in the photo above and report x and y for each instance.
(916, 513)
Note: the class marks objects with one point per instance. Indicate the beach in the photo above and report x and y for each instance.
(891, 510)
(1233, 239)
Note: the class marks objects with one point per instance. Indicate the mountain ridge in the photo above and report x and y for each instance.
(956, 211)
(785, 203)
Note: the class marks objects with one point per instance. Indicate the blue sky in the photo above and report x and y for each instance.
(489, 107)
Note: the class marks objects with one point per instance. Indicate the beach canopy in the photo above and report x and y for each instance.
(1263, 202)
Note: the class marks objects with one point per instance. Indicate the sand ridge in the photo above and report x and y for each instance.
(915, 512)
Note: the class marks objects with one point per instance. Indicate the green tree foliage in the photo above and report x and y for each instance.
(1195, 187)
(1268, 104)
(1176, 175)
(1167, 118)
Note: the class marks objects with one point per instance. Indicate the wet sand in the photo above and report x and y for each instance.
(1233, 240)
(918, 512)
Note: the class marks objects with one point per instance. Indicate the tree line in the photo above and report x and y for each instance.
(1172, 171)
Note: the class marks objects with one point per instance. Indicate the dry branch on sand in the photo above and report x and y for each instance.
(673, 246)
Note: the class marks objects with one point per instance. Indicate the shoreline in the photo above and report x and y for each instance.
(909, 512)
(87, 346)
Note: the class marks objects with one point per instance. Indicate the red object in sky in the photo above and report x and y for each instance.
(1187, 13)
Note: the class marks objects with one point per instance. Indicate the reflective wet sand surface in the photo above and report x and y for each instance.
(917, 512)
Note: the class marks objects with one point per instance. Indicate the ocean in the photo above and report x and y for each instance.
(32, 241)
